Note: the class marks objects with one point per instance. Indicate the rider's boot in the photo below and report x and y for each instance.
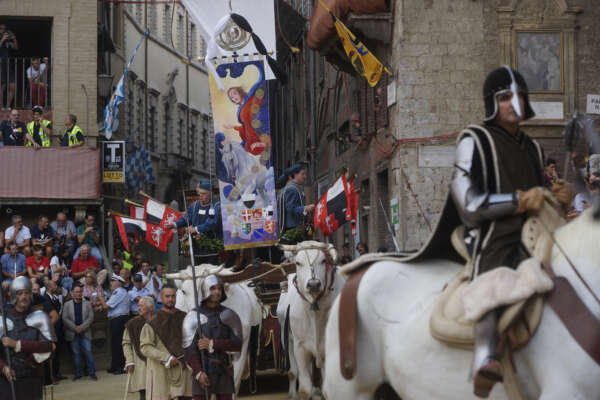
(486, 367)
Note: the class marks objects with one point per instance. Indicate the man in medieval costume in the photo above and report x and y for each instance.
(135, 361)
(167, 376)
(291, 204)
(207, 346)
(203, 217)
(498, 178)
(29, 340)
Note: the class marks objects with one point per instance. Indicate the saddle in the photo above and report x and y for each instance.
(518, 322)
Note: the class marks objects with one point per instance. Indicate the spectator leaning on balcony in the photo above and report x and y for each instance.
(73, 136)
(19, 234)
(43, 235)
(13, 130)
(39, 130)
(37, 76)
(89, 233)
(8, 46)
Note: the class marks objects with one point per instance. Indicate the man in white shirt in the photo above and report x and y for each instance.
(66, 233)
(150, 281)
(19, 234)
(38, 79)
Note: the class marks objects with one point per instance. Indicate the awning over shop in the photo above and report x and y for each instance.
(321, 24)
(50, 173)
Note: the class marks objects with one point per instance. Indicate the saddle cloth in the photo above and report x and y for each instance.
(451, 324)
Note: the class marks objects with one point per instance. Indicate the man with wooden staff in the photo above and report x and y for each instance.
(167, 376)
(135, 361)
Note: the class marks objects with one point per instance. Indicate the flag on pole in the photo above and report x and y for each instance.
(138, 168)
(160, 214)
(136, 212)
(157, 236)
(363, 61)
(110, 120)
(336, 207)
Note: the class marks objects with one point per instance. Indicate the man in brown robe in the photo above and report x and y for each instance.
(135, 361)
(167, 376)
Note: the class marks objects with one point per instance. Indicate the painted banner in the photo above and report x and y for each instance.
(243, 155)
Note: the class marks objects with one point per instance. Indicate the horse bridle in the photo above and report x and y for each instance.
(327, 286)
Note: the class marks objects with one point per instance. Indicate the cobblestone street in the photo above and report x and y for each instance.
(112, 387)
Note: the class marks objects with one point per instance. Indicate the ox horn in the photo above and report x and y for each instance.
(215, 271)
(175, 275)
(288, 247)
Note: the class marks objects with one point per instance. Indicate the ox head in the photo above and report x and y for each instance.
(315, 268)
(184, 282)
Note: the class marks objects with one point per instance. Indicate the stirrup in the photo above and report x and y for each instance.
(486, 377)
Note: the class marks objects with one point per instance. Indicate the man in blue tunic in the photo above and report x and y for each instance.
(291, 201)
(203, 217)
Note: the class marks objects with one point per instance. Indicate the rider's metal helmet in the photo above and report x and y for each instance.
(207, 283)
(501, 80)
(18, 284)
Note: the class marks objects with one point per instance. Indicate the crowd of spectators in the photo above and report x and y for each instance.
(71, 284)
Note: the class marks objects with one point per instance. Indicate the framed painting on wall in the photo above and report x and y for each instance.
(539, 60)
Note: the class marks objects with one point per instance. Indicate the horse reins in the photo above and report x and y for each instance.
(564, 253)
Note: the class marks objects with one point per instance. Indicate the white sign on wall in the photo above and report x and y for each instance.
(593, 104)
(548, 109)
(391, 93)
(436, 156)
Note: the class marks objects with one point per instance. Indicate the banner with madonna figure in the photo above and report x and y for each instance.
(243, 155)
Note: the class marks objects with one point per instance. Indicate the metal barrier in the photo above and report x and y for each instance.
(25, 82)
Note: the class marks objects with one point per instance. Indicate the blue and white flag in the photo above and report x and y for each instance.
(110, 121)
(138, 169)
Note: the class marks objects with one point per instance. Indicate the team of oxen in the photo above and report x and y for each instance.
(393, 341)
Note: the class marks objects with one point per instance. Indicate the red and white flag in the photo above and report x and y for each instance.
(136, 212)
(157, 236)
(160, 214)
(336, 207)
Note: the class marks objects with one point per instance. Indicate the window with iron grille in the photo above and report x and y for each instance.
(152, 121)
(195, 126)
(130, 106)
(193, 38)
(180, 33)
(181, 136)
(139, 112)
(167, 24)
(139, 17)
(152, 17)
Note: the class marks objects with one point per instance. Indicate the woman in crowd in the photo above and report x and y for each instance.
(92, 291)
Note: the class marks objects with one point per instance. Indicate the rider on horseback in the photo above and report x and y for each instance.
(498, 177)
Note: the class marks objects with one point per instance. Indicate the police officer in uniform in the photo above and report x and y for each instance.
(203, 217)
(498, 178)
(220, 332)
(118, 315)
(291, 202)
(73, 136)
(39, 130)
(29, 341)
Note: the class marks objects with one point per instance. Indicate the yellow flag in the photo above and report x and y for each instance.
(364, 62)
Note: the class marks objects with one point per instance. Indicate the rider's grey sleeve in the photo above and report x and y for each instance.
(475, 205)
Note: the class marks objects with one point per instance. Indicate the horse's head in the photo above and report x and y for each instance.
(315, 267)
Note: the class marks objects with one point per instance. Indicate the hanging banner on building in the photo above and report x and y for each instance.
(243, 155)
(113, 162)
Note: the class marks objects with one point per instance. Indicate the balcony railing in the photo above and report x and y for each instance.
(26, 82)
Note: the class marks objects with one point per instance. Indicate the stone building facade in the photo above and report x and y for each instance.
(440, 53)
(167, 104)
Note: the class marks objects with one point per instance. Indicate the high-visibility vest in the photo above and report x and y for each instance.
(73, 135)
(45, 138)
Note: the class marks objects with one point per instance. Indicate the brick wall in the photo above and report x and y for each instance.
(74, 56)
(438, 59)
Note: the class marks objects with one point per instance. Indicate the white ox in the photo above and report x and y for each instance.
(311, 293)
(394, 344)
(282, 307)
(240, 298)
